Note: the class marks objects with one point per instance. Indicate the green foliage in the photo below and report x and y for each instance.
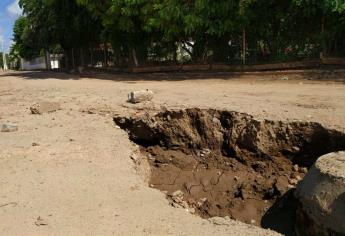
(25, 40)
(147, 30)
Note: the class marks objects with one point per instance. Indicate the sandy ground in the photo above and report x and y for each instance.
(80, 179)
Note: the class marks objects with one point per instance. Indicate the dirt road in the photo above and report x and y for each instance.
(70, 172)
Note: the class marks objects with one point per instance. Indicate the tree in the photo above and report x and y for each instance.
(146, 31)
(25, 40)
(60, 22)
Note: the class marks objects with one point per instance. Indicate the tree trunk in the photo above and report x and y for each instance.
(244, 47)
(91, 57)
(66, 60)
(73, 61)
(105, 54)
(323, 36)
(174, 53)
(82, 62)
(336, 45)
(199, 50)
(47, 60)
(135, 58)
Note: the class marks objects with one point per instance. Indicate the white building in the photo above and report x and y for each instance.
(39, 63)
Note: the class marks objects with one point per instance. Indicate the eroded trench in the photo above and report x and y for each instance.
(224, 163)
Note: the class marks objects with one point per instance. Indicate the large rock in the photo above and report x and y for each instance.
(44, 107)
(140, 96)
(322, 197)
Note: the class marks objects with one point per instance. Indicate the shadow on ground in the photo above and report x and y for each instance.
(327, 75)
(281, 217)
(119, 76)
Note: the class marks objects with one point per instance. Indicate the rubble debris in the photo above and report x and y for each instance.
(44, 107)
(9, 128)
(140, 96)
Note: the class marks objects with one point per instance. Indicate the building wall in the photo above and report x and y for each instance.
(34, 64)
(39, 63)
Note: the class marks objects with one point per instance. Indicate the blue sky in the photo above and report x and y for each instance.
(9, 12)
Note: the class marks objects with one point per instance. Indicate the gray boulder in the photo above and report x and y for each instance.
(321, 196)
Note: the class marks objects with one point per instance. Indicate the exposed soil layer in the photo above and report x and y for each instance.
(222, 163)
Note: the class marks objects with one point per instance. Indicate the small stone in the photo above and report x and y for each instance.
(295, 168)
(164, 108)
(184, 204)
(178, 193)
(35, 144)
(134, 157)
(290, 186)
(174, 204)
(122, 121)
(304, 170)
(218, 221)
(9, 128)
(191, 210)
(203, 199)
(177, 198)
(293, 181)
(281, 184)
(298, 178)
(292, 175)
(40, 222)
(253, 222)
(206, 151)
(215, 120)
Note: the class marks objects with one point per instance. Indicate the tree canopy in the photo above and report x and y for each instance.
(151, 31)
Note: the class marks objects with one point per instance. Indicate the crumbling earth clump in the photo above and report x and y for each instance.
(44, 107)
(223, 163)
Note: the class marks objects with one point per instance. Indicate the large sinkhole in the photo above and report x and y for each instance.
(223, 163)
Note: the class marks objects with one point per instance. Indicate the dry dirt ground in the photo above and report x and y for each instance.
(70, 172)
